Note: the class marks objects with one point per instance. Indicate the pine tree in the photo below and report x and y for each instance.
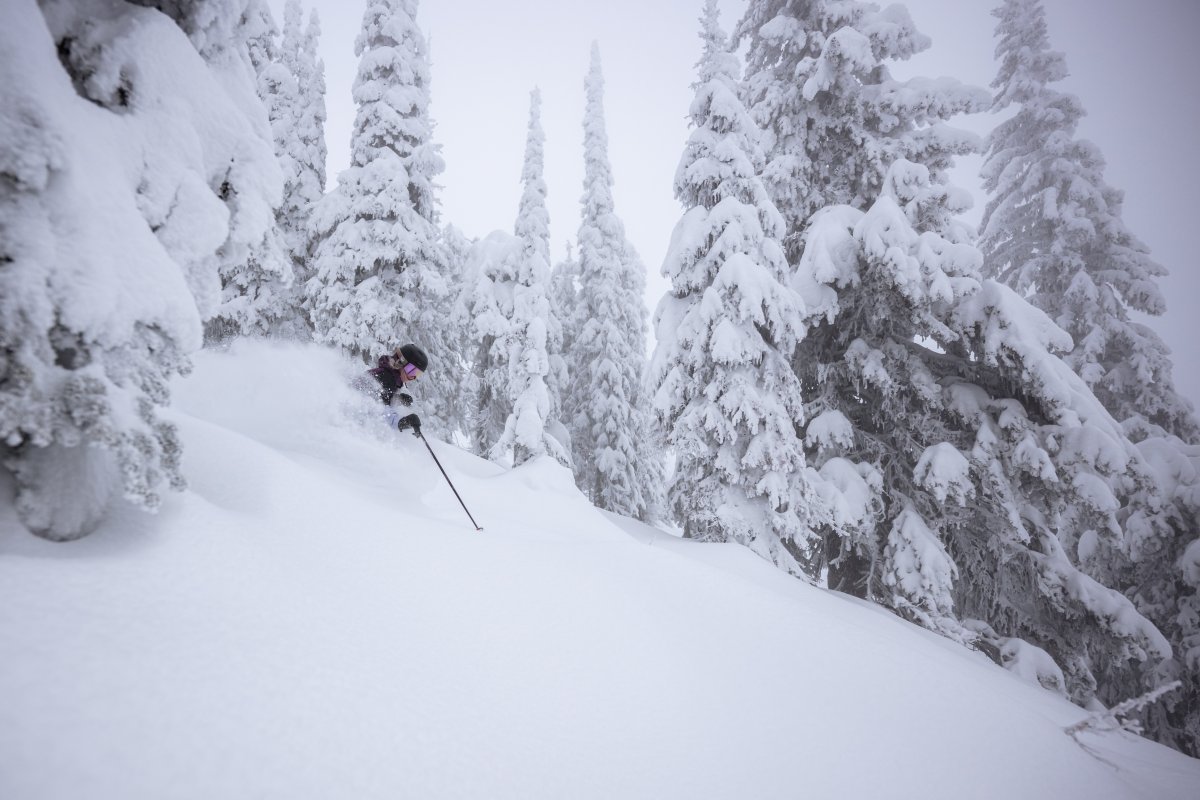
(725, 392)
(527, 429)
(458, 250)
(834, 119)
(256, 274)
(274, 64)
(380, 266)
(1052, 230)
(310, 75)
(564, 289)
(262, 45)
(302, 152)
(292, 86)
(564, 278)
(969, 470)
(277, 87)
(494, 265)
(91, 331)
(610, 445)
(1162, 578)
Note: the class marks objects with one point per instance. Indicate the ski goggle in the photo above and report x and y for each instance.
(411, 371)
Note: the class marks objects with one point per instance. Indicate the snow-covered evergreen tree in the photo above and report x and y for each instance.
(493, 265)
(458, 248)
(123, 146)
(380, 265)
(651, 460)
(293, 31)
(300, 147)
(262, 45)
(1163, 580)
(564, 287)
(725, 391)
(611, 449)
(564, 279)
(969, 470)
(527, 431)
(1052, 229)
(834, 118)
(278, 89)
(310, 125)
(256, 274)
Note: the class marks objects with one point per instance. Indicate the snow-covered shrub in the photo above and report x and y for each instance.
(1033, 664)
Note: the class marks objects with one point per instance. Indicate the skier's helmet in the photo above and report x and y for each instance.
(413, 355)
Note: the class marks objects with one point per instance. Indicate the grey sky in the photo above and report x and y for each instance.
(1132, 64)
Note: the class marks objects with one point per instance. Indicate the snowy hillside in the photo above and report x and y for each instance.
(316, 618)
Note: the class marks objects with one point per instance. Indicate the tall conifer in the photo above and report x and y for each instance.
(300, 146)
(1052, 230)
(527, 429)
(256, 273)
(380, 265)
(818, 83)
(613, 457)
(970, 472)
(725, 392)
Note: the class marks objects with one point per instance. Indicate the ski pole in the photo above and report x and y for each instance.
(417, 431)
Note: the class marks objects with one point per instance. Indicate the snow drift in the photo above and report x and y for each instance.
(316, 618)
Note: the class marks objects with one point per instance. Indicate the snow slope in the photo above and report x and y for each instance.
(316, 618)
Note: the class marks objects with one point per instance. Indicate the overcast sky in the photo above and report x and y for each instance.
(1133, 65)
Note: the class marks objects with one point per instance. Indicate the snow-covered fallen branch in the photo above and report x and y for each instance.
(1120, 716)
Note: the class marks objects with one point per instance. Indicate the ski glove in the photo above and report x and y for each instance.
(400, 423)
(405, 399)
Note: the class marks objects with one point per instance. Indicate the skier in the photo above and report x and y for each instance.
(394, 373)
(406, 364)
